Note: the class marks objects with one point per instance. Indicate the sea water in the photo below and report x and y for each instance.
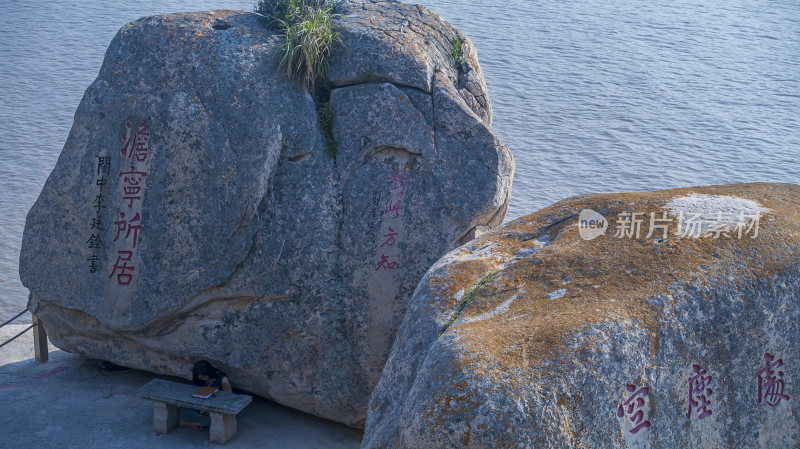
(590, 96)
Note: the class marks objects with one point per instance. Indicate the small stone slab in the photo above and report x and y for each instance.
(181, 395)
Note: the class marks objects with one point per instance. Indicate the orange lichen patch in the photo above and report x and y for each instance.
(450, 404)
(460, 278)
(606, 278)
(462, 398)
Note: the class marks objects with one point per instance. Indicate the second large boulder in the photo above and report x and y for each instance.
(644, 320)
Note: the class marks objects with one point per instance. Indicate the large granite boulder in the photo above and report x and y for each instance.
(576, 326)
(194, 213)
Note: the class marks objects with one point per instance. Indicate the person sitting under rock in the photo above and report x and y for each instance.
(204, 375)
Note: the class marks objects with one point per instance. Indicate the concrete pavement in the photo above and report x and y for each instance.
(72, 401)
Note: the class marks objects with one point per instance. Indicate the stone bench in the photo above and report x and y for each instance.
(168, 396)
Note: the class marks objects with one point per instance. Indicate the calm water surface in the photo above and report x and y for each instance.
(591, 96)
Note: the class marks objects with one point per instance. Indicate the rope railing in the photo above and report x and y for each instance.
(35, 323)
(39, 337)
(15, 336)
(12, 319)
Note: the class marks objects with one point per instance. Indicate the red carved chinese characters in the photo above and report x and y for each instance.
(770, 381)
(142, 137)
(393, 212)
(389, 237)
(132, 187)
(633, 408)
(396, 208)
(135, 151)
(121, 265)
(699, 391)
(128, 226)
(127, 141)
(134, 145)
(399, 182)
(385, 264)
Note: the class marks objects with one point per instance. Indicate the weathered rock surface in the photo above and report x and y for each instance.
(233, 237)
(534, 337)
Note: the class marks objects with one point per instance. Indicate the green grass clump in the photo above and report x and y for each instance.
(309, 38)
(458, 51)
(309, 41)
(277, 11)
(468, 299)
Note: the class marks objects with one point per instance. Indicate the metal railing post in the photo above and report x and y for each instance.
(39, 340)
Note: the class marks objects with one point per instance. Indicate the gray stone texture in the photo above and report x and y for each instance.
(533, 337)
(256, 251)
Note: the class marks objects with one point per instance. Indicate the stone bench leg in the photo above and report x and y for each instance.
(223, 428)
(165, 416)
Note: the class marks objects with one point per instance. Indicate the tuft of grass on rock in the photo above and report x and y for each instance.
(309, 38)
(277, 11)
(458, 51)
(309, 41)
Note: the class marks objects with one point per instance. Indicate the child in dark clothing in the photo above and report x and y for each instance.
(203, 374)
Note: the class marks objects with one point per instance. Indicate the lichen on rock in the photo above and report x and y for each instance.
(573, 336)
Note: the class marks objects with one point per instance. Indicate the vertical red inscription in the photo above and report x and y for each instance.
(633, 408)
(770, 381)
(699, 391)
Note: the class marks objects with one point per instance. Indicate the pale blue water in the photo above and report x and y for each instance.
(591, 96)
